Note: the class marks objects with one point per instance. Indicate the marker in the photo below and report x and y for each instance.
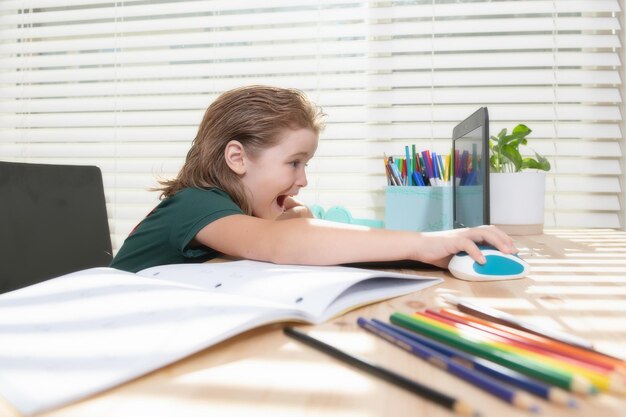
(435, 168)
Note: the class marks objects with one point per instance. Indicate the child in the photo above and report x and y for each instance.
(235, 196)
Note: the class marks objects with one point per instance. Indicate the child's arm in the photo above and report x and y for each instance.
(319, 242)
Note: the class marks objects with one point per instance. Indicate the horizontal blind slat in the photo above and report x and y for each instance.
(350, 131)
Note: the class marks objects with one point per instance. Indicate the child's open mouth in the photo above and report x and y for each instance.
(280, 200)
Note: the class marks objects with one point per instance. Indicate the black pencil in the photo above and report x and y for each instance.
(451, 403)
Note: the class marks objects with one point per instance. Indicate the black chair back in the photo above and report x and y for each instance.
(53, 221)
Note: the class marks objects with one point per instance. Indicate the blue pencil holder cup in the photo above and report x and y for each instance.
(419, 209)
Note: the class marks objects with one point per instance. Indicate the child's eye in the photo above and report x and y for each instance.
(297, 164)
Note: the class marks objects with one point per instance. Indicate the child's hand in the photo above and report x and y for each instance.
(437, 248)
(294, 209)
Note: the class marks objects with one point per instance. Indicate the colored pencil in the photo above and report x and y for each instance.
(592, 357)
(500, 317)
(500, 372)
(522, 343)
(602, 381)
(502, 337)
(491, 385)
(531, 368)
(451, 403)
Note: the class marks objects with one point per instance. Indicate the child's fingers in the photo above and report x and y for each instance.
(497, 238)
(486, 234)
(472, 250)
(291, 202)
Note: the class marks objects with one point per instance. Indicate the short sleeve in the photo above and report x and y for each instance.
(191, 210)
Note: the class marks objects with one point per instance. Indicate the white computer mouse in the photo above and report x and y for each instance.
(499, 266)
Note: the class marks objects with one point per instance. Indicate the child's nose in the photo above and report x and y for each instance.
(301, 181)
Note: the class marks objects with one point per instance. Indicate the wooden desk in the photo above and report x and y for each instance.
(577, 284)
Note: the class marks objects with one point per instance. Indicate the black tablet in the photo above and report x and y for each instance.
(470, 186)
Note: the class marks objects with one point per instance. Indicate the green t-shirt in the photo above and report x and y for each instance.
(164, 236)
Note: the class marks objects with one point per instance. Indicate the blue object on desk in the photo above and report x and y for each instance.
(499, 266)
(342, 215)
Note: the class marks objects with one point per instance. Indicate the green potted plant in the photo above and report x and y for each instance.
(517, 183)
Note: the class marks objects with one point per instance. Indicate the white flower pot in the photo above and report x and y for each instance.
(516, 201)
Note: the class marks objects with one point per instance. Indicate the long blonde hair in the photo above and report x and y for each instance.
(255, 116)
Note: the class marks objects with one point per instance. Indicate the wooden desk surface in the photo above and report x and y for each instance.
(577, 284)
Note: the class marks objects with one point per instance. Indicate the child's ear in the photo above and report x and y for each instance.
(235, 156)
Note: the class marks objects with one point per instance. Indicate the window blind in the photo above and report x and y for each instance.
(123, 85)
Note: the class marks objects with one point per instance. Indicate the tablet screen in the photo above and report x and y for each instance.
(471, 170)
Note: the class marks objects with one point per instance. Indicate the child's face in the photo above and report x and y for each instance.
(278, 172)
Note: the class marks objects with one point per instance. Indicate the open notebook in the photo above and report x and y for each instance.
(82, 333)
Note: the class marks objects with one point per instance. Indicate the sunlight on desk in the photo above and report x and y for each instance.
(587, 290)
(278, 374)
(572, 260)
(569, 269)
(611, 324)
(578, 278)
(602, 330)
(602, 253)
(573, 233)
(586, 306)
(610, 250)
(357, 342)
(204, 404)
(504, 304)
(603, 241)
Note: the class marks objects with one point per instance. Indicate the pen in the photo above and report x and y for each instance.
(451, 403)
